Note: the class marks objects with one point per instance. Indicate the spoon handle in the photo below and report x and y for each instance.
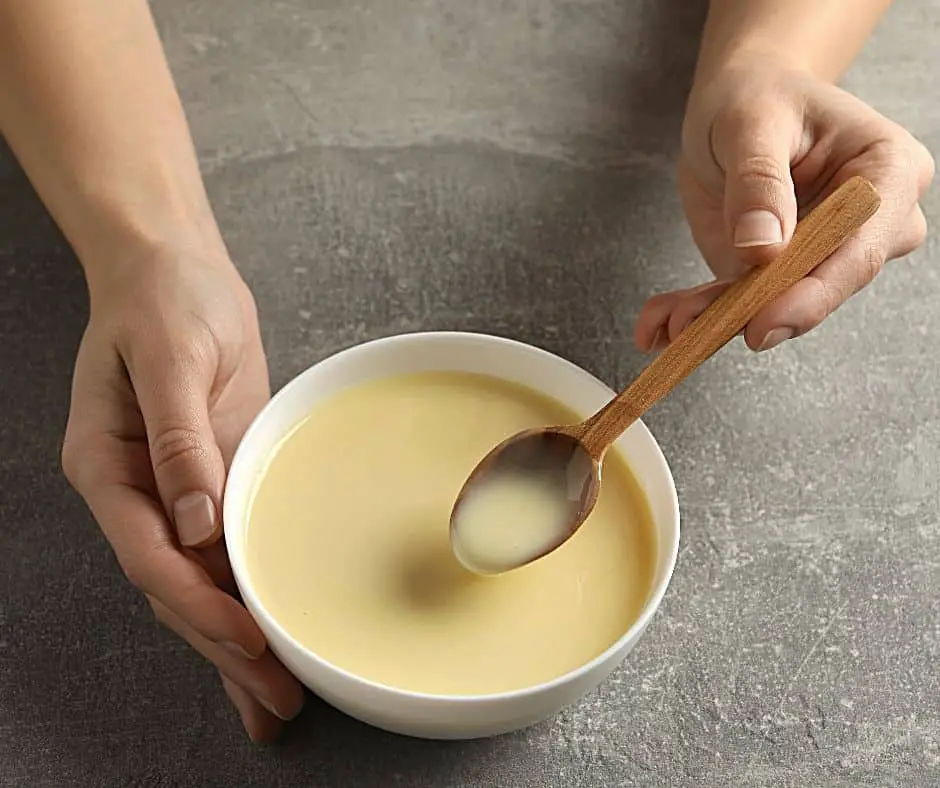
(823, 231)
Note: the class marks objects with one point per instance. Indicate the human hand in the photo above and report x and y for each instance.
(762, 145)
(169, 374)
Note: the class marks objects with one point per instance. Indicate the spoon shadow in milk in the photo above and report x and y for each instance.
(429, 576)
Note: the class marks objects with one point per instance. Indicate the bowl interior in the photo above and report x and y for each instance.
(451, 351)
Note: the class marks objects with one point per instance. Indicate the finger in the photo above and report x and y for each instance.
(660, 341)
(173, 389)
(265, 679)
(692, 304)
(214, 560)
(753, 146)
(652, 331)
(650, 324)
(897, 228)
(139, 533)
(260, 724)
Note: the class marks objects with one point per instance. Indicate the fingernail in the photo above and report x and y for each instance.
(775, 337)
(236, 649)
(281, 716)
(758, 228)
(195, 518)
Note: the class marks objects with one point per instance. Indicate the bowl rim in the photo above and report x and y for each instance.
(242, 576)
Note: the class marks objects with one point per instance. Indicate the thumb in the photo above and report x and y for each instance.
(760, 206)
(173, 391)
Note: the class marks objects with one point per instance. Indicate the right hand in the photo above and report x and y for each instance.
(764, 143)
(169, 375)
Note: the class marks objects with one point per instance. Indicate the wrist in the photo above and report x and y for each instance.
(133, 260)
(816, 37)
(109, 231)
(741, 59)
(120, 243)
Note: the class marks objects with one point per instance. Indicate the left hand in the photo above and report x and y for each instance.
(763, 144)
(169, 374)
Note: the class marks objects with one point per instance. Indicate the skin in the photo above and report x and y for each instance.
(171, 368)
(766, 130)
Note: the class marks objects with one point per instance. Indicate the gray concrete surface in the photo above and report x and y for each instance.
(388, 166)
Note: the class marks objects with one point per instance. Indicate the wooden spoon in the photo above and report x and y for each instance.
(533, 491)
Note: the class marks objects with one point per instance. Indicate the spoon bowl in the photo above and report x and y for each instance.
(526, 497)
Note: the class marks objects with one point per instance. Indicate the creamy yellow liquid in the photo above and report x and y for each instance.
(348, 543)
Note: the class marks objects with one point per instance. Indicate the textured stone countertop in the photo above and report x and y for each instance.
(380, 167)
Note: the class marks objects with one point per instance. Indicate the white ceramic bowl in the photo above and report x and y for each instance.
(414, 713)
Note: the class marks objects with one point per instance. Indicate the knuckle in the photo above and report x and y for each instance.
(136, 573)
(82, 463)
(745, 127)
(71, 459)
(184, 348)
(760, 168)
(924, 164)
(914, 236)
(742, 114)
(914, 160)
(186, 358)
(141, 568)
(826, 302)
(919, 232)
(172, 444)
(873, 260)
(203, 345)
(909, 160)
